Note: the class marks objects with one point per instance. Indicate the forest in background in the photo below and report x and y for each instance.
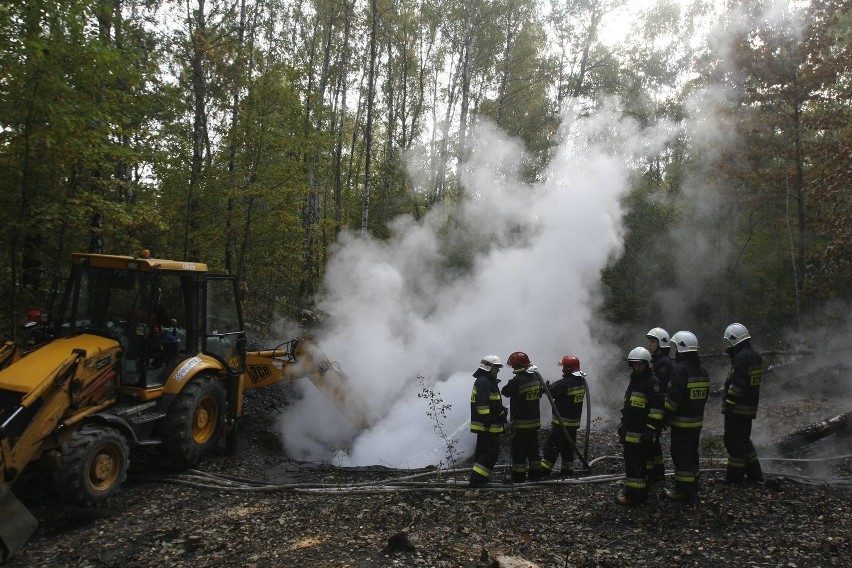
(248, 134)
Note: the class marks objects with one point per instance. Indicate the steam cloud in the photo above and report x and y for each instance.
(405, 314)
(516, 268)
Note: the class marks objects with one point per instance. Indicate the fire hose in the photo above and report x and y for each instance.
(409, 483)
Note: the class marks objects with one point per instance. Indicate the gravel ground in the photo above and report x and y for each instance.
(258, 508)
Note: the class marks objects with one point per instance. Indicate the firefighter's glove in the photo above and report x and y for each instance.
(647, 438)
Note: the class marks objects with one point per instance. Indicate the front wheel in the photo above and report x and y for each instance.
(194, 421)
(92, 465)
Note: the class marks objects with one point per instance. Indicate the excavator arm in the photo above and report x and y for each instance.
(42, 399)
(302, 358)
(22, 434)
(24, 429)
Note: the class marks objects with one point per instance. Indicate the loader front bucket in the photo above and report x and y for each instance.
(17, 525)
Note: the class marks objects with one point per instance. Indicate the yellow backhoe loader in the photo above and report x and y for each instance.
(144, 351)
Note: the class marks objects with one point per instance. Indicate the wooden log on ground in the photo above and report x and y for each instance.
(799, 440)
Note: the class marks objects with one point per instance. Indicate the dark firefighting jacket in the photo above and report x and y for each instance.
(662, 366)
(643, 408)
(568, 394)
(742, 387)
(487, 413)
(687, 394)
(524, 391)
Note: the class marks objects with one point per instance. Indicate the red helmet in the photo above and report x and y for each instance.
(33, 315)
(518, 360)
(570, 363)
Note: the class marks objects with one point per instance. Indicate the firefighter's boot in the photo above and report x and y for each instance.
(673, 495)
(477, 480)
(625, 500)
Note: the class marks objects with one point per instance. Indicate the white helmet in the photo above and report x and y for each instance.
(736, 333)
(489, 361)
(685, 341)
(639, 354)
(661, 335)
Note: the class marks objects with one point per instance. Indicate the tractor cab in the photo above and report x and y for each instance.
(160, 311)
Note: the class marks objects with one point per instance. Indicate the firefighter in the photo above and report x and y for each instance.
(35, 329)
(641, 419)
(568, 394)
(658, 345)
(524, 391)
(487, 419)
(742, 392)
(684, 413)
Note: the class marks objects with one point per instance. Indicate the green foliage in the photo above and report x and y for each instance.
(75, 125)
(235, 133)
(648, 261)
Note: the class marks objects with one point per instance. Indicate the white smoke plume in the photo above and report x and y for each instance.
(403, 309)
(709, 237)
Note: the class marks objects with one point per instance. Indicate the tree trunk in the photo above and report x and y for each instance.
(469, 50)
(311, 215)
(368, 135)
(198, 40)
(343, 87)
(504, 75)
(230, 237)
(800, 196)
(391, 118)
(591, 34)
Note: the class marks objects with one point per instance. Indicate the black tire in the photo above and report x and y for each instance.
(92, 465)
(194, 422)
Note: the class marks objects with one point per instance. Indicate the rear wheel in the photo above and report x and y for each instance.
(92, 465)
(194, 422)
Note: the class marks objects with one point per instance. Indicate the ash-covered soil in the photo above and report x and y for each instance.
(257, 508)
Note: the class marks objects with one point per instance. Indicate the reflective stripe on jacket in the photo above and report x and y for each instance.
(742, 388)
(688, 390)
(568, 394)
(486, 404)
(524, 391)
(643, 406)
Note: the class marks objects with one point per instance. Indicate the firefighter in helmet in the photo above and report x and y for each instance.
(641, 419)
(568, 394)
(487, 419)
(742, 392)
(685, 401)
(658, 346)
(35, 329)
(524, 391)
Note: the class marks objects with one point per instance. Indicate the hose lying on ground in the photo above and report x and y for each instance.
(226, 482)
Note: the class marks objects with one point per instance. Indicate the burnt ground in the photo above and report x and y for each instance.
(258, 508)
